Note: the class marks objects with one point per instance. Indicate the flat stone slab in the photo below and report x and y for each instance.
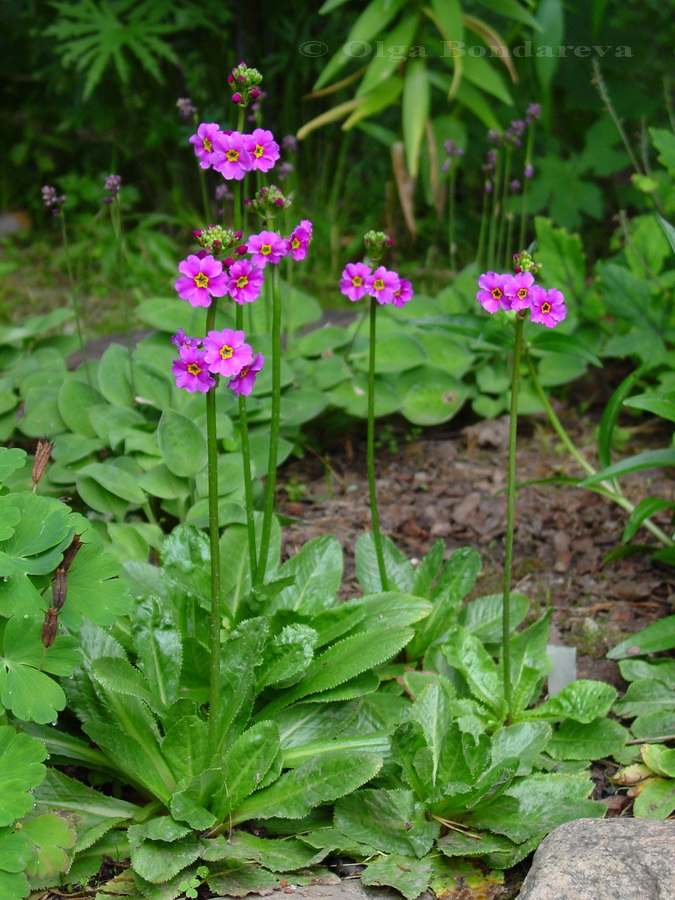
(604, 859)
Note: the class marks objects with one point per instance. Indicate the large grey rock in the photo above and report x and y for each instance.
(604, 859)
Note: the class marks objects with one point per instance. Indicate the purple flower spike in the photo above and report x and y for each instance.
(548, 307)
(353, 281)
(246, 281)
(201, 278)
(226, 352)
(492, 295)
(204, 142)
(244, 381)
(191, 371)
(230, 156)
(263, 148)
(383, 284)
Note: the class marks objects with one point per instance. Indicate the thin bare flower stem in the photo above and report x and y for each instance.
(116, 220)
(599, 82)
(494, 215)
(606, 488)
(510, 520)
(246, 456)
(274, 429)
(451, 216)
(214, 544)
(73, 298)
(526, 184)
(502, 203)
(370, 452)
(483, 230)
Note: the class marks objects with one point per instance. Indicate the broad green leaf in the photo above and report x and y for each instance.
(430, 395)
(21, 771)
(51, 837)
(565, 344)
(535, 805)
(594, 740)
(114, 424)
(392, 821)
(341, 662)
(467, 654)
(457, 843)
(395, 352)
(159, 650)
(659, 759)
(427, 571)
(113, 376)
(399, 571)
(645, 696)
(181, 443)
(664, 141)
(319, 780)
(317, 570)
(30, 694)
(410, 876)
(278, 855)
(483, 616)
(75, 400)
(154, 387)
(243, 881)
(248, 761)
(120, 676)
(394, 609)
(659, 669)
(524, 741)
(415, 109)
(486, 77)
(432, 710)
(659, 723)
(287, 656)
(652, 639)
(582, 701)
(454, 582)
(15, 853)
(656, 800)
(41, 414)
(157, 861)
(184, 746)
(116, 480)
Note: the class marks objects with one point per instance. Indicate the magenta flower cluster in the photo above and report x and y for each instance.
(358, 280)
(519, 292)
(234, 154)
(223, 353)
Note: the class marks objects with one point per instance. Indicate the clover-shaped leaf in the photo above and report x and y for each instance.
(51, 837)
(41, 533)
(29, 693)
(95, 590)
(21, 770)
(10, 459)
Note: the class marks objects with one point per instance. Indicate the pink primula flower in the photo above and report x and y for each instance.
(263, 149)
(404, 293)
(201, 279)
(203, 142)
(299, 241)
(244, 381)
(353, 280)
(266, 247)
(246, 281)
(492, 295)
(519, 290)
(547, 307)
(230, 156)
(191, 370)
(383, 284)
(226, 353)
(180, 339)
